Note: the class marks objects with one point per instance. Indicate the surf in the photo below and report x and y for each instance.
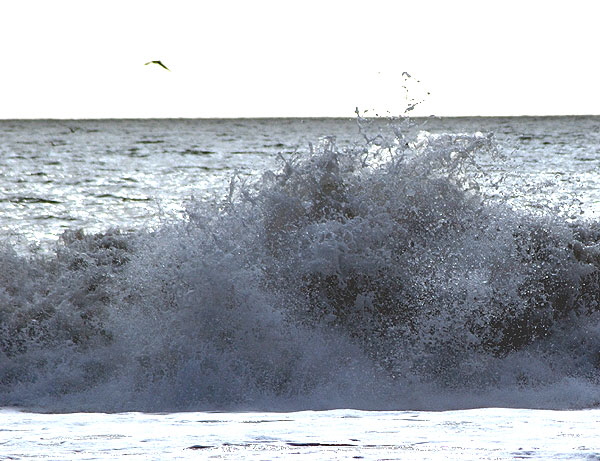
(393, 273)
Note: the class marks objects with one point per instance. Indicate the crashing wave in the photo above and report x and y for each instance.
(380, 276)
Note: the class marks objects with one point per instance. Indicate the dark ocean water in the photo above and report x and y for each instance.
(165, 265)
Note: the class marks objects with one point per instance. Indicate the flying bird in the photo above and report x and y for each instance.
(159, 63)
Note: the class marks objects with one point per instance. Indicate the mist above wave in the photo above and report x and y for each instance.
(385, 275)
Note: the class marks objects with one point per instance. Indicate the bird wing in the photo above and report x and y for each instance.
(162, 65)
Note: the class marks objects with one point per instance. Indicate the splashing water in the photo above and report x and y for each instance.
(390, 274)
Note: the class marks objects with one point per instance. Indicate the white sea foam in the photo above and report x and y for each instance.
(480, 434)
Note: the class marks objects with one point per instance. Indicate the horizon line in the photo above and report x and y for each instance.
(298, 117)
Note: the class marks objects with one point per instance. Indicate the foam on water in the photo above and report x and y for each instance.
(393, 274)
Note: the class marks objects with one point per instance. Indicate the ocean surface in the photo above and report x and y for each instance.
(320, 287)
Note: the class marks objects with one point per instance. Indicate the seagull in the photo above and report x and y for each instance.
(159, 63)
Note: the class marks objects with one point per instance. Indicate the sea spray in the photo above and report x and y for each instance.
(388, 274)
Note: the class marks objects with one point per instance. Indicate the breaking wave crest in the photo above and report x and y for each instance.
(387, 275)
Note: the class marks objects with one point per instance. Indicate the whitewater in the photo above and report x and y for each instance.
(328, 288)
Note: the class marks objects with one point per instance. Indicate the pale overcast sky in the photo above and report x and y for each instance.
(253, 58)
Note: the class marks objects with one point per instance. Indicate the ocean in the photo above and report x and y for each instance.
(327, 288)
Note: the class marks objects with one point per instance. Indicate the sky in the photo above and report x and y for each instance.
(298, 58)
